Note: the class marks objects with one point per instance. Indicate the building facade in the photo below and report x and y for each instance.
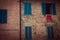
(40, 20)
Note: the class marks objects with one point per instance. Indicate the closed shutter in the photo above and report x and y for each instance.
(28, 33)
(27, 9)
(3, 16)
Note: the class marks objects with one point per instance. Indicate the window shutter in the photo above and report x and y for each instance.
(3, 16)
(43, 8)
(50, 32)
(27, 9)
(53, 9)
(28, 33)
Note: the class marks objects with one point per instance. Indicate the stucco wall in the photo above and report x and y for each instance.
(11, 30)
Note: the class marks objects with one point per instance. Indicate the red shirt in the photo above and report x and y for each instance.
(49, 17)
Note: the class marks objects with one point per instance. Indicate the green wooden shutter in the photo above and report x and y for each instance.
(53, 9)
(28, 33)
(50, 32)
(27, 9)
(3, 16)
(44, 8)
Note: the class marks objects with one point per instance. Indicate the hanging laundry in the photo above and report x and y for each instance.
(49, 18)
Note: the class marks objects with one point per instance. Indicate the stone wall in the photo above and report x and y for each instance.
(38, 21)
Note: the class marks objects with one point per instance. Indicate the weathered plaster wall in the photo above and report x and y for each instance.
(58, 21)
(38, 21)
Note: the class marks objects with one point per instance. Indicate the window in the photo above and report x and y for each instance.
(48, 8)
(3, 16)
(27, 9)
(50, 32)
(28, 33)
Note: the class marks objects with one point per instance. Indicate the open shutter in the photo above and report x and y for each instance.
(44, 8)
(53, 9)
